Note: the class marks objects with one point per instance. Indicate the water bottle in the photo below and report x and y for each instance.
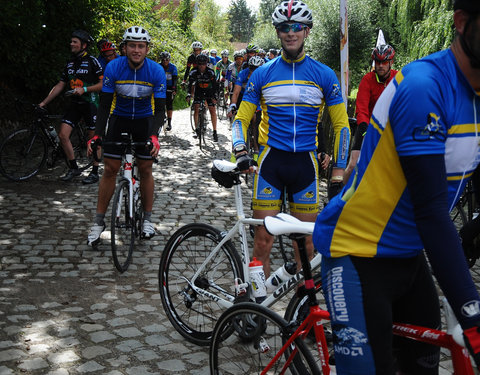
(280, 276)
(257, 280)
(53, 133)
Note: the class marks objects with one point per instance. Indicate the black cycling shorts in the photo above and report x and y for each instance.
(77, 111)
(200, 98)
(140, 130)
(365, 296)
(169, 101)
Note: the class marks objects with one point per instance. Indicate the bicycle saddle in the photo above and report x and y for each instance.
(285, 224)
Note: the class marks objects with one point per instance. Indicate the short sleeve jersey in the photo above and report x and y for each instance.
(292, 96)
(170, 72)
(83, 71)
(429, 108)
(134, 89)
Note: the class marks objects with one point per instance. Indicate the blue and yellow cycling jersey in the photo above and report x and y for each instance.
(134, 89)
(292, 96)
(171, 74)
(428, 109)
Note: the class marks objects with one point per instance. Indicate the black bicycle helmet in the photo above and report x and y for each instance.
(201, 59)
(83, 36)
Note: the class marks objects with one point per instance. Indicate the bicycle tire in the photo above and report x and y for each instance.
(194, 315)
(122, 227)
(202, 126)
(23, 154)
(233, 351)
(78, 138)
(221, 113)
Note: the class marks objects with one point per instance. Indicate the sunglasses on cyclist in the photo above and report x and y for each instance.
(295, 27)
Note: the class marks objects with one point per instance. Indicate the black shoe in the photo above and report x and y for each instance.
(197, 133)
(90, 179)
(169, 127)
(215, 136)
(70, 175)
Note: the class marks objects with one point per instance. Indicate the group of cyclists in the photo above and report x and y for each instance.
(416, 145)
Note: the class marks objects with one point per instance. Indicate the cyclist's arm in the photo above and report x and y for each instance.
(158, 116)
(236, 92)
(174, 83)
(362, 102)
(427, 183)
(241, 123)
(97, 87)
(339, 117)
(103, 112)
(54, 92)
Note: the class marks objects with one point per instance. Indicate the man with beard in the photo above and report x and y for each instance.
(83, 76)
(133, 94)
(420, 150)
(292, 91)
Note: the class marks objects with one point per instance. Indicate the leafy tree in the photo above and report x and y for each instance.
(266, 9)
(185, 13)
(242, 21)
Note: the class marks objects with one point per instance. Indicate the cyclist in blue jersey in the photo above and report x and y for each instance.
(292, 92)
(233, 70)
(420, 149)
(133, 93)
(171, 74)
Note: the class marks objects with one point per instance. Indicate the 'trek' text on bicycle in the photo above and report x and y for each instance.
(83, 76)
(130, 84)
(293, 90)
(420, 150)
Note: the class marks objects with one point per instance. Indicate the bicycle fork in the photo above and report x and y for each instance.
(128, 175)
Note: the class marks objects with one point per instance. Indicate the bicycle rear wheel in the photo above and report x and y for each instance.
(22, 154)
(122, 227)
(248, 336)
(193, 314)
(79, 144)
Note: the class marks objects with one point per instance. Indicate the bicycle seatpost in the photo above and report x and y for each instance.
(307, 270)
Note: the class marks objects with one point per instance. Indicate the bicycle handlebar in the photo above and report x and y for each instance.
(148, 144)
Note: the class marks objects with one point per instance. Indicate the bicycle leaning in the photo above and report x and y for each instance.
(127, 211)
(249, 338)
(201, 273)
(25, 151)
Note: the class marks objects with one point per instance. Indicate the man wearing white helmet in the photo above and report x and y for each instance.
(292, 91)
(133, 101)
(197, 48)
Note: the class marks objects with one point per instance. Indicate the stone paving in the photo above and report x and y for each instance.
(64, 309)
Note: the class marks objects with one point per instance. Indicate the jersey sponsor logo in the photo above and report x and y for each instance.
(471, 309)
(335, 91)
(348, 340)
(107, 82)
(76, 83)
(268, 190)
(309, 194)
(433, 129)
(337, 295)
(251, 87)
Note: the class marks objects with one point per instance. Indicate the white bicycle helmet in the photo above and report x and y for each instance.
(225, 52)
(255, 61)
(292, 11)
(136, 34)
(196, 45)
(213, 51)
(237, 54)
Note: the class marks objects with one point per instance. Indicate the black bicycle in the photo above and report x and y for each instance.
(24, 152)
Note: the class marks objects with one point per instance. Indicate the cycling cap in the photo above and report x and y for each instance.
(252, 48)
(237, 54)
(467, 5)
(383, 52)
(164, 56)
(255, 61)
(196, 45)
(82, 35)
(213, 51)
(107, 46)
(136, 34)
(292, 11)
(201, 59)
(225, 52)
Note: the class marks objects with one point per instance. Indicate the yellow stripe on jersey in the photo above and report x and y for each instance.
(382, 184)
(291, 82)
(245, 114)
(463, 129)
(134, 82)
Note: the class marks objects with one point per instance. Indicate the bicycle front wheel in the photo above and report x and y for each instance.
(221, 110)
(192, 118)
(22, 154)
(194, 314)
(122, 227)
(248, 336)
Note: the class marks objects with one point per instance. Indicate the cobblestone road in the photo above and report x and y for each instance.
(64, 309)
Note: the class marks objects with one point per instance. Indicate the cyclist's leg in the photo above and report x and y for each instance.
(146, 183)
(419, 305)
(196, 107)
(266, 202)
(64, 135)
(213, 114)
